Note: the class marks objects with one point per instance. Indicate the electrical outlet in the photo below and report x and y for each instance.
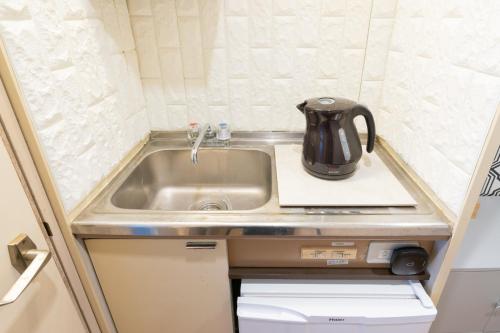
(381, 252)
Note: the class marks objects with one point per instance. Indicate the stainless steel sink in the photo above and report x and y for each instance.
(223, 179)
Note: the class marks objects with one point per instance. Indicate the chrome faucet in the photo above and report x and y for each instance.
(206, 131)
(215, 138)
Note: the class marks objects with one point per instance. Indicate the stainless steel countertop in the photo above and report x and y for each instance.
(101, 219)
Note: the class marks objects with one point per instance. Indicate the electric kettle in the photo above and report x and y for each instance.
(332, 147)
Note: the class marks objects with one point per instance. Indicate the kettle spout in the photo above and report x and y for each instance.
(301, 106)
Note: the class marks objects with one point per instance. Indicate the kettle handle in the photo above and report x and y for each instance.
(360, 110)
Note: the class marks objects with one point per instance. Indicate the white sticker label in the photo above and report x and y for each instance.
(332, 262)
(326, 253)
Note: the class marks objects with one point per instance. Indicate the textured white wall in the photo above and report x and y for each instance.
(441, 89)
(428, 70)
(76, 64)
(249, 62)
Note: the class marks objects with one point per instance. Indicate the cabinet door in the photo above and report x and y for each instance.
(164, 285)
(467, 302)
(493, 324)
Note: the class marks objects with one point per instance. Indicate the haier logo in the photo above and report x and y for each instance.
(335, 320)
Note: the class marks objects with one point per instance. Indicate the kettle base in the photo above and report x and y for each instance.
(330, 172)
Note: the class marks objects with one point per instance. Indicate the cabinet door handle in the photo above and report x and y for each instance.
(201, 245)
(28, 261)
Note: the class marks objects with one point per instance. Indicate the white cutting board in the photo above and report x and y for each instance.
(373, 184)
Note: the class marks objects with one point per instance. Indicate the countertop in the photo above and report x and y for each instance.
(101, 219)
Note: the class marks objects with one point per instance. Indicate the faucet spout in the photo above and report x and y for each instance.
(194, 150)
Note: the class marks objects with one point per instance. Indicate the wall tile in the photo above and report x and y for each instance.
(155, 103)
(212, 22)
(178, 117)
(165, 19)
(335, 8)
(14, 10)
(192, 60)
(237, 46)
(139, 7)
(351, 72)
(196, 100)
(219, 114)
(284, 7)
(384, 8)
(263, 116)
(260, 27)
(240, 104)
(187, 7)
(356, 27)
(189, 31)
(260, 76)
(282, 103)
(283, 46)
(305, 74)
(216, 76)
(191, 48)
(236, 7)
(172, 75)
(135, 97)
(327, 87)
(377, 49)
(126, 36)
(145, 40)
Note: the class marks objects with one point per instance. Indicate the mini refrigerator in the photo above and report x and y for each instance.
(320, 306)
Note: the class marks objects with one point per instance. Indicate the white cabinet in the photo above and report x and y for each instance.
(164, 285)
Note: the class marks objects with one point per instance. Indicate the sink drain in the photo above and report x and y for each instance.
(210, 205)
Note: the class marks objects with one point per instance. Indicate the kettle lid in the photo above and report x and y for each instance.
(327, 104)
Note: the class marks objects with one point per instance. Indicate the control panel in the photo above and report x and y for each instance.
(314, 252)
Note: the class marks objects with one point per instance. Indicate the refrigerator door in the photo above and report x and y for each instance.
(327, 288)
(361, 307)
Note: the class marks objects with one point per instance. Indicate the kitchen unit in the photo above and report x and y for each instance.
(90, 80)
(185, 236)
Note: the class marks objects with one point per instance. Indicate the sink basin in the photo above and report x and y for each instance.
(223, 179)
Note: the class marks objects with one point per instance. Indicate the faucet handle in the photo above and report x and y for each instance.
(224, 132)
(193, 131)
